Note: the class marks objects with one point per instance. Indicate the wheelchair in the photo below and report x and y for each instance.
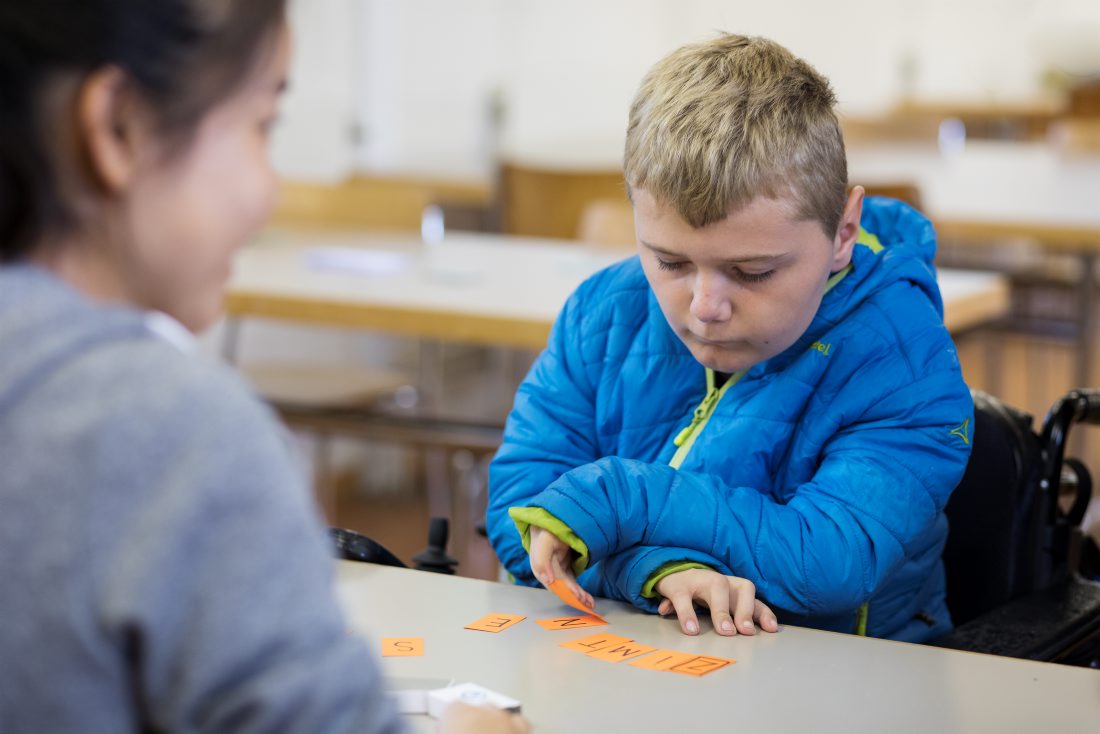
(1019, 570)
(349, 545)
(1014, 556)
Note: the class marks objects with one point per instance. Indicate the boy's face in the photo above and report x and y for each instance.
(744, 289)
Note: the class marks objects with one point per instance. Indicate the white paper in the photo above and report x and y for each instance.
(470, 693)
(356, 260)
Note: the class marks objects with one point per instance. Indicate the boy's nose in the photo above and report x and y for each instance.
(709, 300)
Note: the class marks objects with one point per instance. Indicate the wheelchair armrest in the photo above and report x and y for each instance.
(1061, 624)
(349, 545)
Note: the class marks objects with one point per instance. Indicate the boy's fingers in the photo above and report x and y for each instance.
(664, 607)
(539, 558)
(578, 591)
(561, 569)
(744, 606)
(765, 617)
(542, 570)
(719, 603)
(685, 612)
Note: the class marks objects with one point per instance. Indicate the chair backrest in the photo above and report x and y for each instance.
(372, 202)
(1077, 134)
(993, 542)
(607, 222)
(548, 202)
(906, 191)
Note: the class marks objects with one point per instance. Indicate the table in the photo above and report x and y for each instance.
(1015, 119)
(477, 288)
(988, 190)
(797, 680)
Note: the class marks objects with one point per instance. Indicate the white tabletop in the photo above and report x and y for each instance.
(1032, 187)
(481, 288)
(465, 273)
(796, 680)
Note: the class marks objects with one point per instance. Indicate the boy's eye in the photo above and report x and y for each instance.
(745, 277)
(666, 265)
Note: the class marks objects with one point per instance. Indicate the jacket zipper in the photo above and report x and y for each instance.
(685, 439)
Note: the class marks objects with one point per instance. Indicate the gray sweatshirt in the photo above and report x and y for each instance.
(161, 564)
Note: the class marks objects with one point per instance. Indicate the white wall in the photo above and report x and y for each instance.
(419, 78)
(312, 139)
(430, 72)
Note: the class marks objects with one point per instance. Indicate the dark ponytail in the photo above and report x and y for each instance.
(184, 56)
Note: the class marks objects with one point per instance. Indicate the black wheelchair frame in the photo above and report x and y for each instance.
(1013, 556)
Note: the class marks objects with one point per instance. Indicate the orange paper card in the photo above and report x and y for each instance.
(402, 647)
(663, 660)
(569, 623)
(495, 622)
(595, 642)
(566, 594)
(622, 651)
(701, 665)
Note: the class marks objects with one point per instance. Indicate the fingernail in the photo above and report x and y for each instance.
(727, 626)
(747, 626)
(692, 626)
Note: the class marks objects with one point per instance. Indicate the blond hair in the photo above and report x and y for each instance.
(717, 124)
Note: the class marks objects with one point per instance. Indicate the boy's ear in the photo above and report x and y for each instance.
(113, 128)
(847, 231)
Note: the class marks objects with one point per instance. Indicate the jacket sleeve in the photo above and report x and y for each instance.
(623, 575)
(883, 480)
(550, 430)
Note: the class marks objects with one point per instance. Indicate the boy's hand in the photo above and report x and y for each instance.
(721, 594)
(552, 559)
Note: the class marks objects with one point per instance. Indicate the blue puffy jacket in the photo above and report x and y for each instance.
(820, 476)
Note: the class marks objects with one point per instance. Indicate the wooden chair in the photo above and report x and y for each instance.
(607, 222)
(1077, 135)
(892, 128)
(372, 202)
(548, 202)
(1084, 99)
(906, 191)
(611, 221)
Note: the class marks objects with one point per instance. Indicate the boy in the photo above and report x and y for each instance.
(764, 402)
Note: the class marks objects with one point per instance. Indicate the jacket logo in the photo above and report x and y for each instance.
(963, 431)
(823, 348)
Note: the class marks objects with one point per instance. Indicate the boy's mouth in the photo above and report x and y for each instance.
(714, 342)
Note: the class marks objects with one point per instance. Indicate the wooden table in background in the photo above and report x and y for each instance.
(476, 288)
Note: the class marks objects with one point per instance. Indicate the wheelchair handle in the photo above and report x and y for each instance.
(1088, 406)
(1076, 406)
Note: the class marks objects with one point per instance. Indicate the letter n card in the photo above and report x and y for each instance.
(569, 623)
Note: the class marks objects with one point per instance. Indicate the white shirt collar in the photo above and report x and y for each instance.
(167, 328)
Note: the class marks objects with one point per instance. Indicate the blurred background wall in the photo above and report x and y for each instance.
(436, 87)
